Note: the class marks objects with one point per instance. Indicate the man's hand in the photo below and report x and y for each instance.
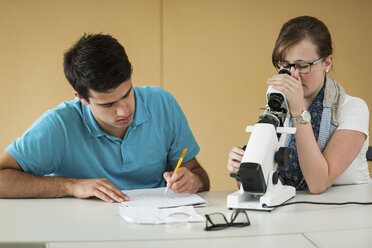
(100, 188)
(183, 181)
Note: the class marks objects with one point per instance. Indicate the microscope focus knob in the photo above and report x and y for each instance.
(282, 157)
(275, 178)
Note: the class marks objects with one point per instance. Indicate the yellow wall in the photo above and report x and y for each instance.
(213, 55)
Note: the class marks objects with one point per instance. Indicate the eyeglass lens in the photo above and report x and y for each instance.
(301, 67)
(239, 217)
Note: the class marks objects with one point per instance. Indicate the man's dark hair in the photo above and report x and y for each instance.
(97, 62)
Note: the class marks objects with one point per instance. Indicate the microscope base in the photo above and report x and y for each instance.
(275, 195)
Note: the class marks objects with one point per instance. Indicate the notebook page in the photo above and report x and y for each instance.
(156, 198)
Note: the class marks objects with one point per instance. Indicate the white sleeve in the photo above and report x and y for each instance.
(354, 115)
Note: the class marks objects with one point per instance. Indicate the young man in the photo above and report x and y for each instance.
(112, 137)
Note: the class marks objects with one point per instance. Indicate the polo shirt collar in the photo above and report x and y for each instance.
(91, 123)
(141, 114)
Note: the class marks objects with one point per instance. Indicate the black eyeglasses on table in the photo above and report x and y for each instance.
(218, 221)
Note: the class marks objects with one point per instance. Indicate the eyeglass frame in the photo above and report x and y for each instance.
(295, 65)
(234, 215)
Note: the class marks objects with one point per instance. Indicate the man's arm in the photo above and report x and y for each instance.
(15, 183)
(189, 178)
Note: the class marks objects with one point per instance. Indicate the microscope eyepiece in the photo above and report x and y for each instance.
(275, 100)
(284, 71)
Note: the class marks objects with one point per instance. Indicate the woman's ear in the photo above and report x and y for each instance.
(328, 63)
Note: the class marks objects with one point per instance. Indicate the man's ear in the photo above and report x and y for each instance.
(82, 99)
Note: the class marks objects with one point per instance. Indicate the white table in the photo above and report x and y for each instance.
(70, 222)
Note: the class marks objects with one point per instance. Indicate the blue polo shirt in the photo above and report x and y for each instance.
(68, 142)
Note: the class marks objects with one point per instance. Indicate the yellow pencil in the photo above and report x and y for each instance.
(178, 164)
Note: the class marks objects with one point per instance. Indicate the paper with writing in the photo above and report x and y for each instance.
(156, 198)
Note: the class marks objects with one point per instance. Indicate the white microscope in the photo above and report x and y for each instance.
(260, 188)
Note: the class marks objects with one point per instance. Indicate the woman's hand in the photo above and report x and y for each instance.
(291, 87)
(235, 158)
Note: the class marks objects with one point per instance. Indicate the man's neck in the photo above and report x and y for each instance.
(118, 132)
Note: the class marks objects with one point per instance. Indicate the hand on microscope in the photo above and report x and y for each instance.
(234, 160)
(292, 87)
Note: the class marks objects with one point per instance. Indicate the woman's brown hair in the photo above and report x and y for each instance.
(298, 29)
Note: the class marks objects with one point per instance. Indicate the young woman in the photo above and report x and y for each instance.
(331, 138)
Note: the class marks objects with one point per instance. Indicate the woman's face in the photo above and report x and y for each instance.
(305, 52)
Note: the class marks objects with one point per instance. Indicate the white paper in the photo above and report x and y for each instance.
(157, 199)
(153, 215)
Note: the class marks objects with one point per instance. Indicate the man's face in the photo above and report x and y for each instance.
(113, 110)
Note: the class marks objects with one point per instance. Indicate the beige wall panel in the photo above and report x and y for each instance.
(34, 36)
(217, 58)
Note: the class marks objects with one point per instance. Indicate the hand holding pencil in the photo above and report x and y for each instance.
(177, 181)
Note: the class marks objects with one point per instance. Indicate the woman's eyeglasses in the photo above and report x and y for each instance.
(302, 67)
(218, 221)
